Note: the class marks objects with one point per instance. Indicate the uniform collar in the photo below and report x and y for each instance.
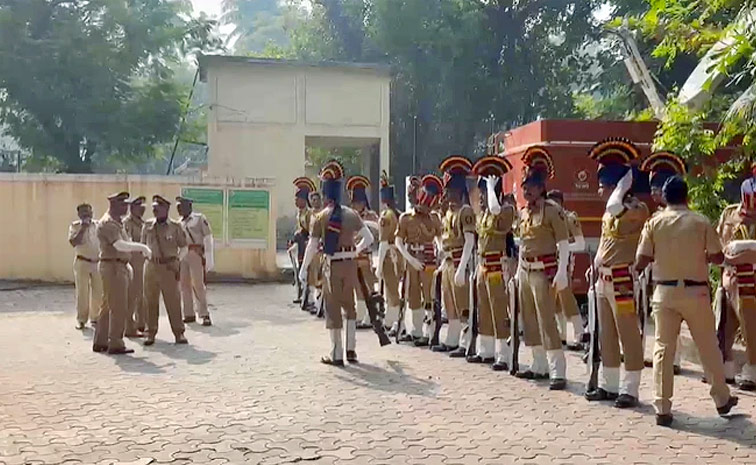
(677, 207)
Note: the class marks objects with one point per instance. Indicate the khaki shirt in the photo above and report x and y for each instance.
(679, 240)
(493, 230)
(89, 247)
(133, 226)
(164, 239)
(388, 223)
(456, 224)
(304, 218)
(732, 228)
(541, 229)
(417, 228)
(196, 228)
(109, 231)
(620, 235)
(351, 224)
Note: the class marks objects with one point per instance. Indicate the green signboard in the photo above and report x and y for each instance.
(209, 202)
(248, 215)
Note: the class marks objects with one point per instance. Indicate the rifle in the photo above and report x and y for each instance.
(722, 324)
(376, 309)
(514, 326)
(295, 266)
(436, 309)
(402, 304)
(642, 307)
(594, 356)
(472, 347)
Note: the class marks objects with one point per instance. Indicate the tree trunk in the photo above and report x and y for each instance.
(72, 157)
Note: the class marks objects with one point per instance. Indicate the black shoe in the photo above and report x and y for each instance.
(314, 311)
(557, 384)
(93, 323)
(351, 356)
(625, 401)
(648, 363)
(190, 319)
(746, 385)
(664, 420)
(564, 342)
(575, 346)
(406, 337)
(181, 339)
(297, 301)
(585, 338)
(99, 349)
(79, 325)
(421, 342)
(529, 374)
(677, 369)
(442, 348)
(206, 321)
(730, 381)
(599, 394)
(120, 351)
(459, 352)
(391, 332)
(149, 341)
(479, 359)
(330, 361)
(500, 366)
(363, 325)
(725, 409)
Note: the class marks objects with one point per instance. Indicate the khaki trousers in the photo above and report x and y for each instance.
(110, 324)
(740, 315)
(456, 298)
(538, 308)
(314, 271)
(617, 328)
(340, 282)
(493, 304)
(193, 284)
(366, 266)
(88, 290)
(420, 288)
(137, 314)
(671, 306)
(163, 279)
(566, 303)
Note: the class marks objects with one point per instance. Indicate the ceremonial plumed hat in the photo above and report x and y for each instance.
(303, 186)
(661, 166)
(491, 166)
(387, 190)
(331, 177)
(431, 187)
(614, 156)
(538, 166)
(456, 168)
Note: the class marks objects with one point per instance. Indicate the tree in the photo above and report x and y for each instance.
(84, 80)
(258, 24)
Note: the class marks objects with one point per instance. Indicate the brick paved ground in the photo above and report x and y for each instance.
(249, 390)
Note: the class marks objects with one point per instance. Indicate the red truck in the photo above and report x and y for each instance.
(568, 142)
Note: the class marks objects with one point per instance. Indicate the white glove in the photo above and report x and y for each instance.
(415, 263)
(147, 252)
(209, 253)
(493, 202)
(561, 280)
(209, 263)
(303, 275)
(459, 277)
(131, 271)
(615, 205)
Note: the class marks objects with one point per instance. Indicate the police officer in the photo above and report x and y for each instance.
(336, 228)
(197, 263)
(415, 240)
(737, 230)
(167, 241)
(136, 322)
(115, 250)
(458, 243)
(544, 260)
(82, 235)
(621, 227)
(390, 262)
(304, 187)
(494, 225)
(567, 306)
(681, 243)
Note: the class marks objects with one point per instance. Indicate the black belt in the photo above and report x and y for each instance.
(686, 283)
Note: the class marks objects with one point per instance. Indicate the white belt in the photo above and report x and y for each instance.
(532, 266)
(343, 256)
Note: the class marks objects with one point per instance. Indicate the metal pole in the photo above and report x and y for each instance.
(414, 145)
(181, 123)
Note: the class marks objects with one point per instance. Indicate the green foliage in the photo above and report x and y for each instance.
(88, 81)
(350, 158)
(258, 24)
(613, 106)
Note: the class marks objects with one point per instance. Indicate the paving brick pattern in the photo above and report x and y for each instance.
(250, 390)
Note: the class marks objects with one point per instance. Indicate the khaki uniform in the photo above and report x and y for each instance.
(618, 316)
(393, 264)
(137, 317)
(193, 273)
(739, 284)
(566, 302)
(365, 261)
(162, 273)
(339, 275)
(86, 275)
(540, 231)
(493, 300)
(455, 225)
(115, 284)
(679, 241)
(304, 221)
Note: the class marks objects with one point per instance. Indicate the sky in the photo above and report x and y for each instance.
(211, 7)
